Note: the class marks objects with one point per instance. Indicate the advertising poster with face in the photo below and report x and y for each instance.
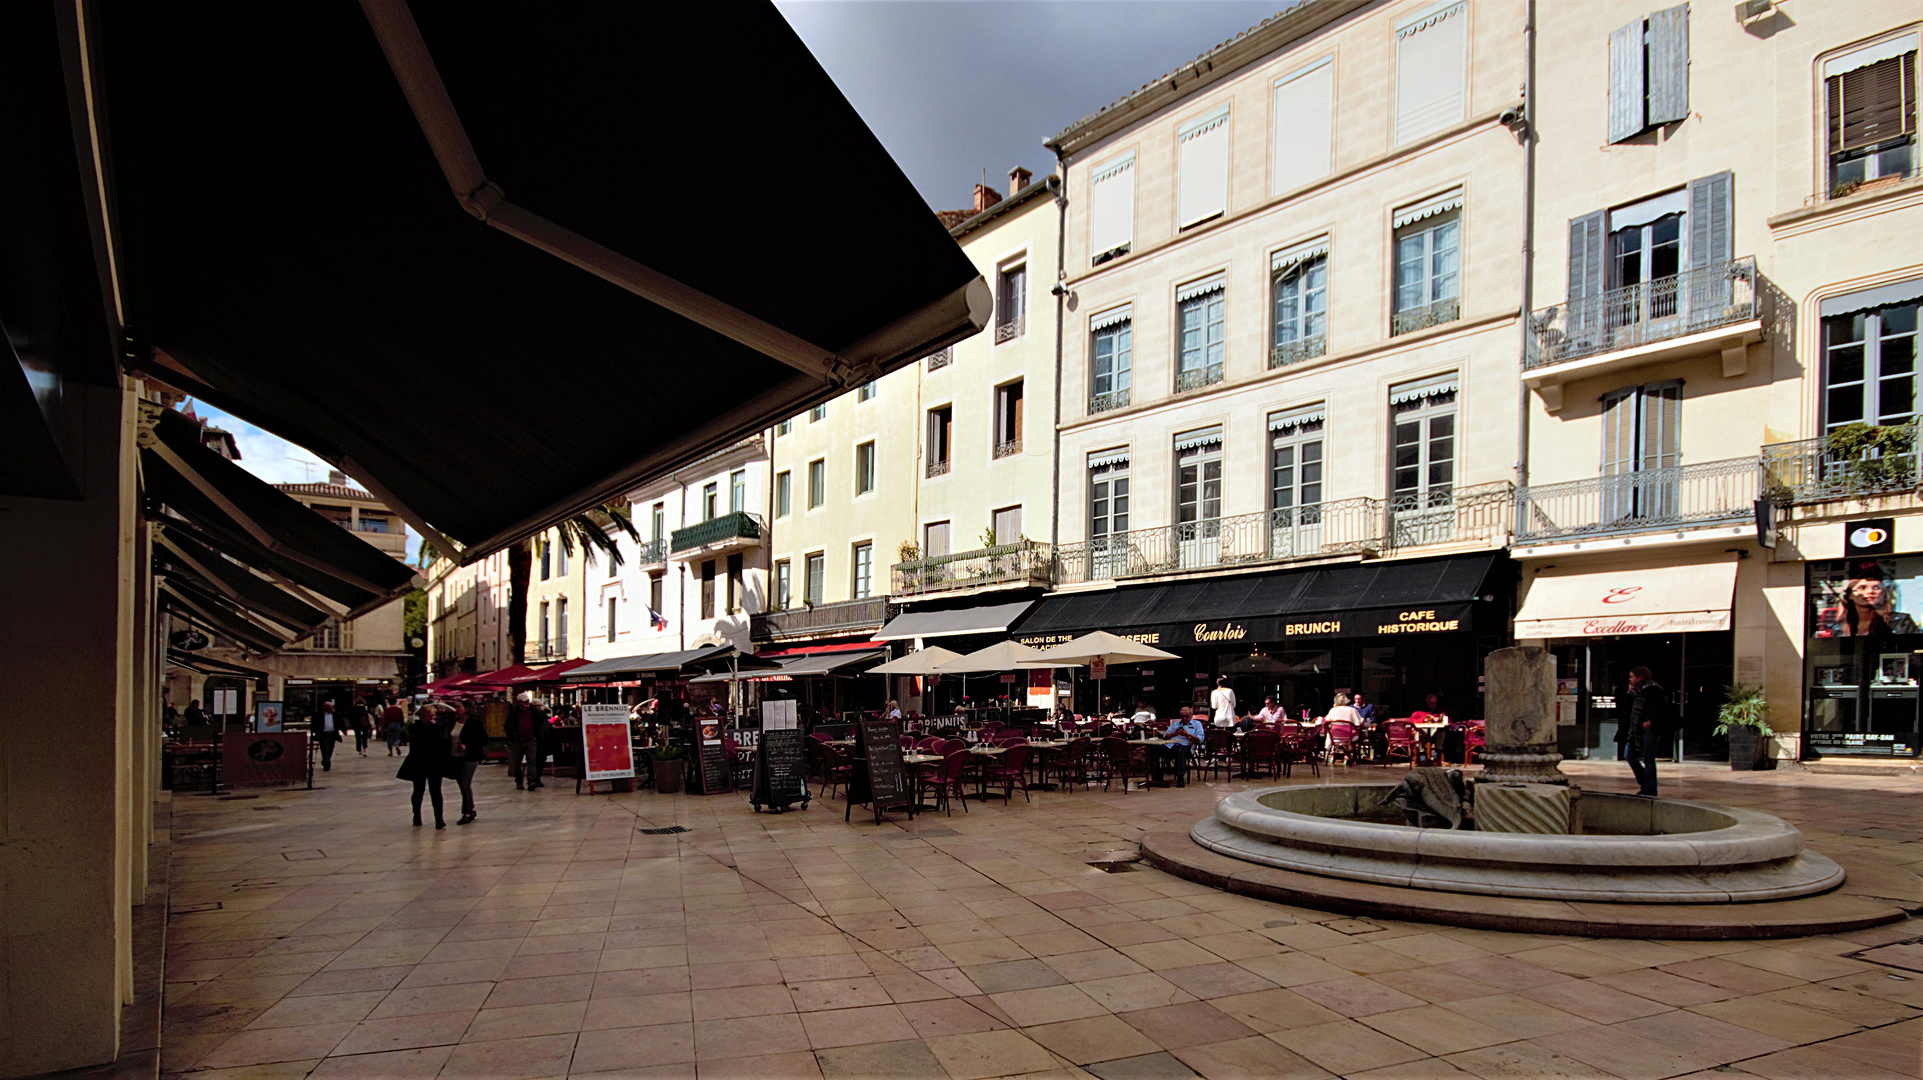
(1867, 597)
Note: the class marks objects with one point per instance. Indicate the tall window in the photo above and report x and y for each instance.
(1109, 362)
(1008, 419)
(738, 491)
(1304, 120)
(816, 584)
(817, 414)
(612, 601)
(1011, 302)
(865, 468)
(1202, 168)
(547, 560)
(817, 482)
(786, 427)
(784, 493)
(734, 584)
(1869, 354)
(657, 603)
(1111, 209)
(866, 392)
(1432, 62)
(710, 500)
(1107, 515)
(1007, 525)
(1654, 268)
(1198, 497)
(1428, 241)
(784, 584)
(545, 628)
(1649, 73)
(561, 560)
(657, 522)
(941, 434)
(1299, 282)
(936, 540)
(1201, 331)
(1640, 451)
(328, 635)
(1295, 481)
(1871, 115)
(861, 579)
(561, 626)
(707, 588)
(1423, 460)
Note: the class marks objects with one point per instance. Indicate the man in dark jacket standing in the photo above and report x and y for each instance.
(525, 719)
(327, 726)
(1651, 716)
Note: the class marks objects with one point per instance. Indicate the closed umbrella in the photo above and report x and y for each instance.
(1104, 646)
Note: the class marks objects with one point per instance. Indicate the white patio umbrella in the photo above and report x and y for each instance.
(1001, 656)
(925, 662)
(1100, 645)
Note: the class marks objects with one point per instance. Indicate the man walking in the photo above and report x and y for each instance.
(1222, 703)
(327, 729)
(523, 764)
(362, 723)
(1651, 716)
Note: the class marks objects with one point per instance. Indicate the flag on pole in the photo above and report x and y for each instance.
(657, 620)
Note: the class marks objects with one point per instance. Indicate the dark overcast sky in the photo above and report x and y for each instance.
(952, 88)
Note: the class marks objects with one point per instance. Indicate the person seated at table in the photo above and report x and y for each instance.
(1144, 713)
(1431, 711)
(1271, 714)
(892, 712)
(1183, 733)
(1366, 707)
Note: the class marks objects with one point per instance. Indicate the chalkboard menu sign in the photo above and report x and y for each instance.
(879, 779)
(711, 756)
(781, 777)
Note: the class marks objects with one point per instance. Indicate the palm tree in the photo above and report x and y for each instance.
(590, 532)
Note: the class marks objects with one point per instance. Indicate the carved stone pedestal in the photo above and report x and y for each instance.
(1520, 743)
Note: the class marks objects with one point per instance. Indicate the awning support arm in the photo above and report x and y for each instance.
(213, 621)
(290, 630)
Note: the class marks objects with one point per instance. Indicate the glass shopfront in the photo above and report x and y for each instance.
(1864, 656)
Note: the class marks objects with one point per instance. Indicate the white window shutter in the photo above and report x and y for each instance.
(1668, 73)
(1303, 124)
(1626, 96)
(1202, 169)
(1431, 70)
(1111, 207)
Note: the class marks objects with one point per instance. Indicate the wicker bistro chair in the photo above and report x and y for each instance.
(1216, 751)
(1071, 763)
(1010, 770)
(1401, 741)
(1342, 741)
(1123, 761)
(945, 780)
(1261, 752)
(836, 768)
(1298, 745)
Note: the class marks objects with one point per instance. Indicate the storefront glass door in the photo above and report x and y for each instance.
(1695, 669)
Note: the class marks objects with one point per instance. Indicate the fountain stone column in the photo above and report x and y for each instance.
(1520, 710)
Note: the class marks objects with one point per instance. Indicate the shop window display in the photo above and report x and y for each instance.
(1865, 655)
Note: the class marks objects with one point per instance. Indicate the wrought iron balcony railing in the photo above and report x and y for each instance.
(1348, 526)
(651, 552)
(1112, 399)
(1009, 448)
(845, 615)
(1010, 330)
(1197, 378)
(1648, 500)
(938, 468)
(740, 525)
(1670, 307)
(1422, 318)
(1023, 562)
(1294, 352)
(1479, 514)
(938, 360)
(1852, 461)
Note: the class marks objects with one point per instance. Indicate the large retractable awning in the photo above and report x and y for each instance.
(704, 659)
(1628, 600)
(409, 239)
(986, 619)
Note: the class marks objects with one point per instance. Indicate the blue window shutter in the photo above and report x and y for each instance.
(1586, 273)
(1626, 113)
(1712, 226)
(1669, 64)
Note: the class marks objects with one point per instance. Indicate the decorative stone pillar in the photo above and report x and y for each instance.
(1520, 696)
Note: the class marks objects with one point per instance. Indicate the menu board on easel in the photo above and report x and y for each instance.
(711, 756)
(607, 751)
(879, 779)
(781, 778)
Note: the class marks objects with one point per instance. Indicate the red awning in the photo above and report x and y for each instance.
(507, 676)
(811, 650)
(447, 682)
(552, 671)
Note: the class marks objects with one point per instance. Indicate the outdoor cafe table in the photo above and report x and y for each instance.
(1428, 730)
(920, 762)
(981, 774)
(1044, 746)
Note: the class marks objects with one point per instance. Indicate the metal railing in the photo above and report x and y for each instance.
(1196, 378)
(739, 525)
(1422, 318)
(1113, 399)
(1709, 493)
(1023, 562)
(651, 552)
(1010, 330)
(867, 613)
(938, 360)
(937, 468)
(1671, 307)
(1009, 448)
(1852, 461)
(1347, 526)
(1479, 514)
(1294, 352)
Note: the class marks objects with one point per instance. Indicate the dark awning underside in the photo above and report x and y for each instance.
(294, 250)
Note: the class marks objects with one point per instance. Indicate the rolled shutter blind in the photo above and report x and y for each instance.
(1202, 169)
(1430, 65)
(1626, 99)
(1111, 207)
(1302, 127)
(1668, 72)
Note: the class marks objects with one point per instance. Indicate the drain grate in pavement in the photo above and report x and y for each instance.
(666, 831)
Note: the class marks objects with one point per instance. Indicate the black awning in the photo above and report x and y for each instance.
(179, 552)
(210, 612)
(705, 658)
(293, 244)
(207, 665)
(236, 512)
(1376, 599)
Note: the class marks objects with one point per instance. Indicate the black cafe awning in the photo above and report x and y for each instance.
(706, 658)
(293, 243)
(1421, 596)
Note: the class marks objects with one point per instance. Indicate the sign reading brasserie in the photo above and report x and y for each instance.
(1439, 618)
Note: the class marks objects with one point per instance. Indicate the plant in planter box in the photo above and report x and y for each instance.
(1875, 458)
(670, 766)
(1744, 717)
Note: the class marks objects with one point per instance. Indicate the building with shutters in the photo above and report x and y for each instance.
(1289, 352)
(1721, 338)
(558, 599)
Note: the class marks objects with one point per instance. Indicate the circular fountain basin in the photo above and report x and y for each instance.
(1629, 849)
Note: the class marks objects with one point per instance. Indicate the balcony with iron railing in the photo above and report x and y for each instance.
(1197, 377)
(1855, 461)
(1666, 499)
(845, 616)
(1025, 562)
(1010, 330)
(1345, 527)
(937, 468)
(1409, 320)
(738, 529)
(651, 552)
(1295, 352)
(1695, 301)
(1008, 447)
(1478, 516)
(1108, 400)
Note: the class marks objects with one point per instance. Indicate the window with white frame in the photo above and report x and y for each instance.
(784, 583)
(1432, 64)
(1641, 449)
(1109, 359)
(1008, 419)
(1200, 332)
(1295, 480)
(561, 560)
(1303, 115)
(1006, 524)
(1111, 209)
(1428, 264)
(784, 493)
(866, 392)
(657, 603)
(1011, 302)
(1299, 290)
(817, 483)
(815, 585)
(1198, 498)
(865, 468)
(546, 629)
(1108, 500)
(561, 626)
(1870, 115)
(1422, 470)
(941, 439)
(612, 616)
(1202, 168)
(1869, 355)
(817, 414)
(861, 578)
(738, 491)
(1649, 73)
(710, 500)
(786, 427)
(936, 540)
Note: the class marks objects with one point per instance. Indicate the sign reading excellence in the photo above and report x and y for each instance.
(605, 742)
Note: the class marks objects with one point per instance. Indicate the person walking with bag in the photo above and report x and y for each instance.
(470, 748)
(427, 762)
(1651, 716)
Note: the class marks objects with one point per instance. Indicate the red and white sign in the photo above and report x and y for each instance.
(1636, 600)
(1098, 668)
(605, 745)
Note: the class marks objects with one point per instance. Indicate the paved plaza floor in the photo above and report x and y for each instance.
(320, 934)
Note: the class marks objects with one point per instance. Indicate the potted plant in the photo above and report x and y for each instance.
(670, 765)
(1744, 717)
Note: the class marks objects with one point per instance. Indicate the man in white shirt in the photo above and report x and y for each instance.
(1143, 714)
(1271, 714)
(1222, 703)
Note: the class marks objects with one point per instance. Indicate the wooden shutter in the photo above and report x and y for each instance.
(1626, 93)
(1659, 440)
(1619, 432)
(1668, 60)
(1872, 104)
(1711, 223)
(1587, 264)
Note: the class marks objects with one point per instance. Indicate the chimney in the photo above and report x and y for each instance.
(1017, 179)
(337, 478)
(985, 197)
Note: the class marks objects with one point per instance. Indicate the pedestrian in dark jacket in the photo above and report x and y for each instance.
(525, 720)
(362, 721)
(1651, 716)
(426, 762)
(470, 748)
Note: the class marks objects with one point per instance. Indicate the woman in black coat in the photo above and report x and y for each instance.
(427, 761)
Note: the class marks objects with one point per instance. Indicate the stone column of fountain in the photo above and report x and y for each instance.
(1522, 787)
